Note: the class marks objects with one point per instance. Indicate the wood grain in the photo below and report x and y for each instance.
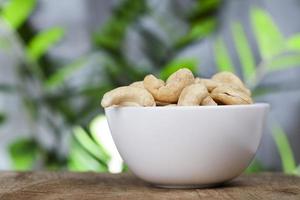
(68, 185)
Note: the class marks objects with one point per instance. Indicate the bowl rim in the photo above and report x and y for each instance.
(255, 105)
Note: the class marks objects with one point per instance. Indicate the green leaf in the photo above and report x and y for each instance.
(176, 64)
(293, 43)
(206, 5)
(222, 58)
(202, 28)
(88, 144)
(269, 38)
(43, 41)
(94, 134)
(284, 62)
(254, 167)
(243, 50)
(2, 118)
(297, 171)
(125, 168)
(111, 35)
(57, 79)
(285, 151)
(80, 160)
(198, 31)
(16, 12)
(23, 153)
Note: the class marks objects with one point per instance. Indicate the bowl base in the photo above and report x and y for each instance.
(193, 186)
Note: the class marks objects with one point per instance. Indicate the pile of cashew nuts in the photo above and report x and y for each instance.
(181, 89)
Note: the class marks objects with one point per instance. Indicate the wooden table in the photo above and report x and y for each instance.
(67, 185)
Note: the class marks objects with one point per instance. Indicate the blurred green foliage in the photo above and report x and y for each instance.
(2, 118)
(277, 53)
(176, 64)
(16, 12)
(59, 97)
(25, 153)
(293, 43)
(56, 94)
(223, 60)
(86, 153)
(43, 41)
(243, 50)
(269, 38)
(254, 167)
(284, 149)
(111, 36)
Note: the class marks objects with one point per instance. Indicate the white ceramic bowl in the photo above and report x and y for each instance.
(187, 146)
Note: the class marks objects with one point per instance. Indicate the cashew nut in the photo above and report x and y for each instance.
(230, 78)
(228, 95)
(153, 84)
(139, 84)
(193, 95)
(197, 80)
(182, 88)
(209, 84)
(127, 95)
(208, 101)
(169, 92)
(227, 77)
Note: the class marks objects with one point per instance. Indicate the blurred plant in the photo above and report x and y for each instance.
(25, 152)
(285, 151)
(31, 153)
(128, 15)
(254, 167)
(67, 107)
(277, 53)
(2, 118)
(53, 99)
(91, 157)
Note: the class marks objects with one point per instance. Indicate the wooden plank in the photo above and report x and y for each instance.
(68, 185)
